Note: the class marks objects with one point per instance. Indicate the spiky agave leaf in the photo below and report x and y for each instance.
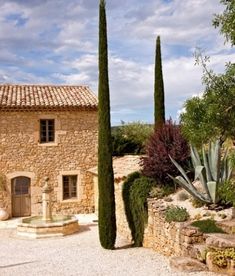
(180, 169)
(190, 188)
(206, 165)
(212, 186)
(195, 156)
(200, 173)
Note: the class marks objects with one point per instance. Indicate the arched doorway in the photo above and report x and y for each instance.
(21, 202)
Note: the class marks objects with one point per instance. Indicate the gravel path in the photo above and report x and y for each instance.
(78, 254)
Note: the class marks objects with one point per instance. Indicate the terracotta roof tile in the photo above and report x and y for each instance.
(39, 97)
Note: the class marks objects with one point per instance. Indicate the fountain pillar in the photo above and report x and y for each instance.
(46, 202)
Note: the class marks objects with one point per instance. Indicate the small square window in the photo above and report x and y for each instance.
(69, 186)
(47, 130)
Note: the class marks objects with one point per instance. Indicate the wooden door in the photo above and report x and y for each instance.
(21, 203)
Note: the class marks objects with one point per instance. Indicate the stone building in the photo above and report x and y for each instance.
(47, 131)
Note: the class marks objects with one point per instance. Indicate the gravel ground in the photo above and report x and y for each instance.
(78, 254)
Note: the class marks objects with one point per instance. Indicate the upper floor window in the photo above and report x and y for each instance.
(47, 130)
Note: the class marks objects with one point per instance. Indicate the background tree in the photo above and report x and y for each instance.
(159, 106)
(130, 138)
(226, 21)
(211, 116)
(107, 218)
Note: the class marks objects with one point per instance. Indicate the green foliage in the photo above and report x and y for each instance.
(226, 192)
(130, 138)
(221, 257)
(176, 213)
(226, 21)
(211, 116)
(136, 189)
(159, 106)
(207, 226)
(211, 171)
(197, 203)
(182, 196)
(161, 191)
(126, 200)
(231, 158)
(107, 218)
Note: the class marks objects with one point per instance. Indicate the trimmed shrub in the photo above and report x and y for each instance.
(126, 199)
(207, 226)
(135, 192)
(176, 213)
(165, 141)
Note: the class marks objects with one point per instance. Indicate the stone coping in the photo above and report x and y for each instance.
(46, 224)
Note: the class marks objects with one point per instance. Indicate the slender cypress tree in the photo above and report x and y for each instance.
(159, 106)
(107, 217)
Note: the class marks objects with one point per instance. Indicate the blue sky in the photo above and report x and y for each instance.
(55, 42)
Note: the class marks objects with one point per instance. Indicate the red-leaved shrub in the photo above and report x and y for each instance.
(165, 141)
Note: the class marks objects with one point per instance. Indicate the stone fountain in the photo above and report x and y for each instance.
(47, 225)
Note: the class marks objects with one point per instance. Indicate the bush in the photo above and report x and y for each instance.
(130, 138)
(165, 141)
(197, 203)
(182, 196)
(226, 193)
(207, 226)
(126, 199)
(176, 213)
(135, 192)
(220, 257)
(122, 145)
(161, 191)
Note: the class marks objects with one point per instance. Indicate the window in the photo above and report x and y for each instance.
(47, 131)
(69, 186)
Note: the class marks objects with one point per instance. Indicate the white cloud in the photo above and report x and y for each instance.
(58, 43)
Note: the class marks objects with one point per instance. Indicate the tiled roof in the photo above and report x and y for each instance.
(122, 166)
(49, 97)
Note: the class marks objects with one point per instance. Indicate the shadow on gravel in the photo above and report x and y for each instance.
(84, 228)
(6, 266)
(124, 247)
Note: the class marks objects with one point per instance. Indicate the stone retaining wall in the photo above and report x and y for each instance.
(170, 239)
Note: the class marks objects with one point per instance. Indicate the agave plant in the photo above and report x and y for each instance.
(211, 171)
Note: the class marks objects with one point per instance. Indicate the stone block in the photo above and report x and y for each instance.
(187, 264)
(220, 240)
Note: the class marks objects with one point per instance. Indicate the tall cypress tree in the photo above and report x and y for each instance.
(107, 217)
(159, 106)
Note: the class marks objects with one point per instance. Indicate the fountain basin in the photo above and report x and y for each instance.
(35, 227)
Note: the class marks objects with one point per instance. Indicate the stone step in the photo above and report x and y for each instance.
(187, 264)
(199, 251)
(218, 240)
(227, 225)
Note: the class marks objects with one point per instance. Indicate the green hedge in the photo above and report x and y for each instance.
(136, 189)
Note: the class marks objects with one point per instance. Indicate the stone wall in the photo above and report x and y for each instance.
(170, 239)
(73, 152)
